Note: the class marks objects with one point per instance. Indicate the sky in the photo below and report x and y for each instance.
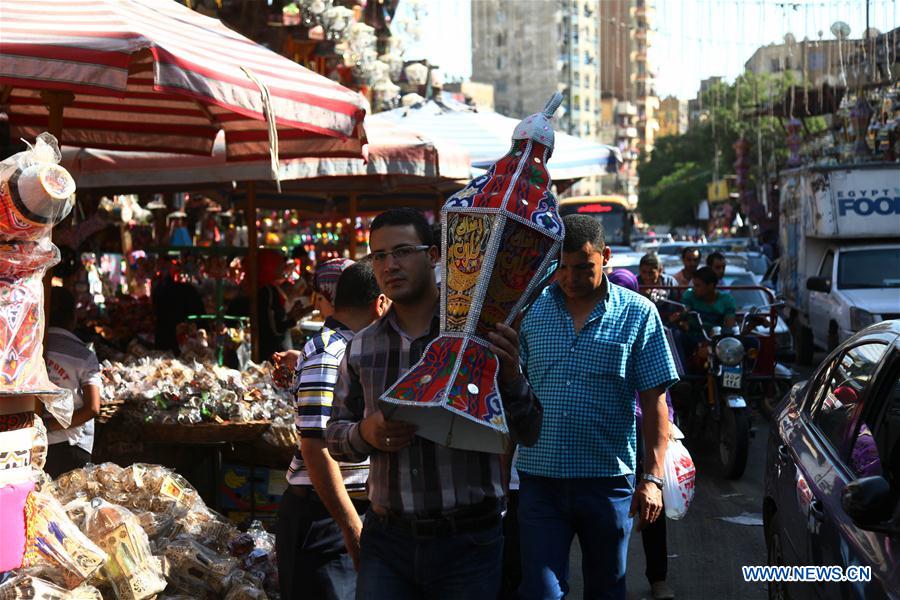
(694, 39)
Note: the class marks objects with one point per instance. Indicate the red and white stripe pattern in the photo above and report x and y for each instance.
(153, 75)
(392, 151)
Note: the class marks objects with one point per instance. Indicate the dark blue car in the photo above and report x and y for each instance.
(833, 474)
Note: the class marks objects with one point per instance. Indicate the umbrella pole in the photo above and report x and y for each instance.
(351, 213)
(253, 270)
(56, 102)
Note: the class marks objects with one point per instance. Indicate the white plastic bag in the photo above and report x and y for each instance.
(678, 486)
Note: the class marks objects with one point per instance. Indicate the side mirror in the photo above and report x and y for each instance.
(867, 501)
(818, 284)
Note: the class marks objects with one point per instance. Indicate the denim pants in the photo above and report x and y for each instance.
(552, 512)
(312, 559)
(396, 565)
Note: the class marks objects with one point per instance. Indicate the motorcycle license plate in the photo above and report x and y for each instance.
(731, 377)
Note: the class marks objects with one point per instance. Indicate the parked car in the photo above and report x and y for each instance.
(833, 470)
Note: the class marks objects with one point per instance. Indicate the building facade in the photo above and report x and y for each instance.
(514, 48)
(594, 51)
(814, 63)
(672, 117)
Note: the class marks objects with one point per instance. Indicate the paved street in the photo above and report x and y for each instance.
(705, 552)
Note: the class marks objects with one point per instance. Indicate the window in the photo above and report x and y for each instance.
(838, 404)
(827, 268)
(889, 432)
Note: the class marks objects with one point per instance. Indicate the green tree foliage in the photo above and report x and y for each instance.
(674, 177)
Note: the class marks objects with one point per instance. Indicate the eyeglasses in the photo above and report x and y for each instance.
(399, 253)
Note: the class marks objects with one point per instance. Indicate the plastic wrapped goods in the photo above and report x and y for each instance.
(53, 540)
(133, 572)
(34, 588)
(197, 569)
(35, 194)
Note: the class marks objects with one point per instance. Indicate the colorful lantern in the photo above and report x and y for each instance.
(501, 235)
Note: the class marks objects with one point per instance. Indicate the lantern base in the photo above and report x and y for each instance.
(452, 396)
(445, 427)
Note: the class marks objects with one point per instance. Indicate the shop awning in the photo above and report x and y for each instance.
(153, 75)
(392, 151)
(486, 136)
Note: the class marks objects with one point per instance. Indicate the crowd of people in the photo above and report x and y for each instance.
(374, 511)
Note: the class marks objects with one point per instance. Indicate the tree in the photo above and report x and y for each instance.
(673, 178)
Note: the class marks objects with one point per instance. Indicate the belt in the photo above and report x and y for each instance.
(309, 493)
(470, 519)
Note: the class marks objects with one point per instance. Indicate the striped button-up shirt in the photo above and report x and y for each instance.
(587, 381)
(425, 479)
(317, 373)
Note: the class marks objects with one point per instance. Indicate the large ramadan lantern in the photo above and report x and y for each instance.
(35, 194)
(500, 236)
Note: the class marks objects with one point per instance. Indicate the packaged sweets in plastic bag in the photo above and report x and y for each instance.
(198, 568)
(132, 571)
(52, 537)
(34, 588)
(39, 445)
(35, 194)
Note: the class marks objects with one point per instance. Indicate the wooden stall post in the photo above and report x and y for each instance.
(56, 102)
(253, 270)
(351, 213)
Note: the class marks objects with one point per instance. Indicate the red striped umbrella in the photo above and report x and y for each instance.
(153, 75)
(393, 152)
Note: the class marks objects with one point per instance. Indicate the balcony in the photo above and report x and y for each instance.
(626, 108)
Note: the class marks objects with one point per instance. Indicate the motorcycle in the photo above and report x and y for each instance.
(729, 365)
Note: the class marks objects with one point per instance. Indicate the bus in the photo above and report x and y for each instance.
(612, 211)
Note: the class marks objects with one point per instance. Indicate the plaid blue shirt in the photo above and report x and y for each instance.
(587, 382)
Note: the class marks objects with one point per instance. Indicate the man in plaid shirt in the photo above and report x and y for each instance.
(586, 347)
(319, 519)
(433, 529)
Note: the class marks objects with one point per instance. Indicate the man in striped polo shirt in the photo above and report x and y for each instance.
(319, 520)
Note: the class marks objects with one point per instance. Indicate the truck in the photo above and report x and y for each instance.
(839, 239)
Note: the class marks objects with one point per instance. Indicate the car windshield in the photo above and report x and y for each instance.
(747, 299)
(861, 269)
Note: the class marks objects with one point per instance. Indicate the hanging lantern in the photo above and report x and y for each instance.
(500, 236)
(311, 11)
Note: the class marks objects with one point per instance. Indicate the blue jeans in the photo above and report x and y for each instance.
(396, 565)
(552, 512)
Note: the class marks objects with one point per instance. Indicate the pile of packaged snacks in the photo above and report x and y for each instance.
(136, 533)
(170, 391)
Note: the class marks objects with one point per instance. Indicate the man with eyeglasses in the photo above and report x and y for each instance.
(434, 526)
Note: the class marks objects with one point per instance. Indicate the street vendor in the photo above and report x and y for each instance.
(71, 365)
(275, 318)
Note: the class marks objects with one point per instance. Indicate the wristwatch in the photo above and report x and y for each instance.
(652, 479)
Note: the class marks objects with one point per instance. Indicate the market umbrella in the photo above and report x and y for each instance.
(153, 75)
(391, 152)
(485, 135)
